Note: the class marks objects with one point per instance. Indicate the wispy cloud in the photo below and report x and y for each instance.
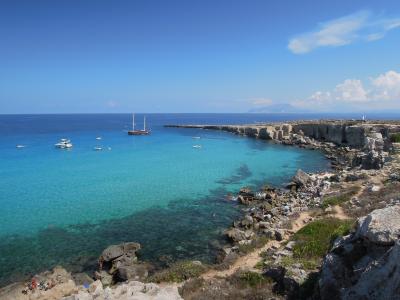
(112, 104)
(381, 91)
(360, 26)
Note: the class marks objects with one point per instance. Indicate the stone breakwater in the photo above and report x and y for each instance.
(350, 143)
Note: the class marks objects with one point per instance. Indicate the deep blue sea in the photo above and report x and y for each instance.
(65, 206)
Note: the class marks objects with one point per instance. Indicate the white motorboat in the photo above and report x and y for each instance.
(195, 137)
(197, 146)
(97, 148)
(63, 144)
(98, 138)
(20, 146)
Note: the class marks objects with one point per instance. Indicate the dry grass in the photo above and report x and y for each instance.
(370, 201)
(341, 197)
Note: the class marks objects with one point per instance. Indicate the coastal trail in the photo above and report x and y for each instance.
(248, 261)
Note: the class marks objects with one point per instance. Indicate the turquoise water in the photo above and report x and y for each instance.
(64, 207)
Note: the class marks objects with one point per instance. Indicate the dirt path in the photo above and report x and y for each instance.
(339, 213)
(249, 260)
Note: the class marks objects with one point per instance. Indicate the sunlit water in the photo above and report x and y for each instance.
(64, 207)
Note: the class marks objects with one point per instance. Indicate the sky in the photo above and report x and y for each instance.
(199, 56)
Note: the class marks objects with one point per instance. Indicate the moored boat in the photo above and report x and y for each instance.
(64, 144)
(134, 131)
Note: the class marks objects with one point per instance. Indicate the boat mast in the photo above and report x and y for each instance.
(144, 123)
(133, 122)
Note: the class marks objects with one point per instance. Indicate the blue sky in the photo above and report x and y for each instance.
(199, 56)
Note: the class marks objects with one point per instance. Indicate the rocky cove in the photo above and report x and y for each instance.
(270, 257)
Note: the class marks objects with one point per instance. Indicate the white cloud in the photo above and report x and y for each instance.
(381, 90)
(112, 104)
(351, 90)
(387, 86)
(360, 26)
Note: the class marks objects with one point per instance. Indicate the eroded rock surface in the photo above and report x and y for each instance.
(132, 290)
(365, 264)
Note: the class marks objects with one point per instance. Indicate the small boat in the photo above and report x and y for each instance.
(98, 138)
(134, 131)
(20, 146)
(97, 148)
(197, 146)
(63, 144)
(195, 137)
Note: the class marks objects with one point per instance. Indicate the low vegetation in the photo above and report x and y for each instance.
(179, 272)
(253, 279)
(238, 286)
(308, 264)
(340, 198)
(314, 240)
(369, 200)
(395, 138)
(255, 244)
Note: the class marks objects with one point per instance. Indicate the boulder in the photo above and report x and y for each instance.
(236, 235)
(381, 227)
(279, 234)
(133, 272)
(365, 264)
(119, 262)
(114, 251)
(105, 278)
(301, 178)
(134, 290)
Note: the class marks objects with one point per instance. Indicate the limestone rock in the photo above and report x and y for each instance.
(133, 272)
(382, 226)
(365, 264)
(132, 290)
(236, 235)
(301, 178)
(115, 251)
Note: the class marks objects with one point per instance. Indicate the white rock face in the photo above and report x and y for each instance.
(366, 264)
(380, 280)
(382, 226)
(133, 290)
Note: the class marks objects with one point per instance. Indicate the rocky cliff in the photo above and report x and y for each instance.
(370, 139)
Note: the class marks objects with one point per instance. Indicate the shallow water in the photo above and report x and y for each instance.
(64, 207)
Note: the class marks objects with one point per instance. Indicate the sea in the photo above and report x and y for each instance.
(63, 207)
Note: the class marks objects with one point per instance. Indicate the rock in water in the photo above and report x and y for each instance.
(119, 263)
(115, 251)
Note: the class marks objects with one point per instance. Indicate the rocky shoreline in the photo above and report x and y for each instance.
(365, 163)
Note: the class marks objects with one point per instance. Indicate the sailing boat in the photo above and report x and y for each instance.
(144, 131)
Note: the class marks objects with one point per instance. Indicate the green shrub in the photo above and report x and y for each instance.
(315, 239)
(252, 279)
(308, 264)
(395, 138)
(258, 242)
(179, 272)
